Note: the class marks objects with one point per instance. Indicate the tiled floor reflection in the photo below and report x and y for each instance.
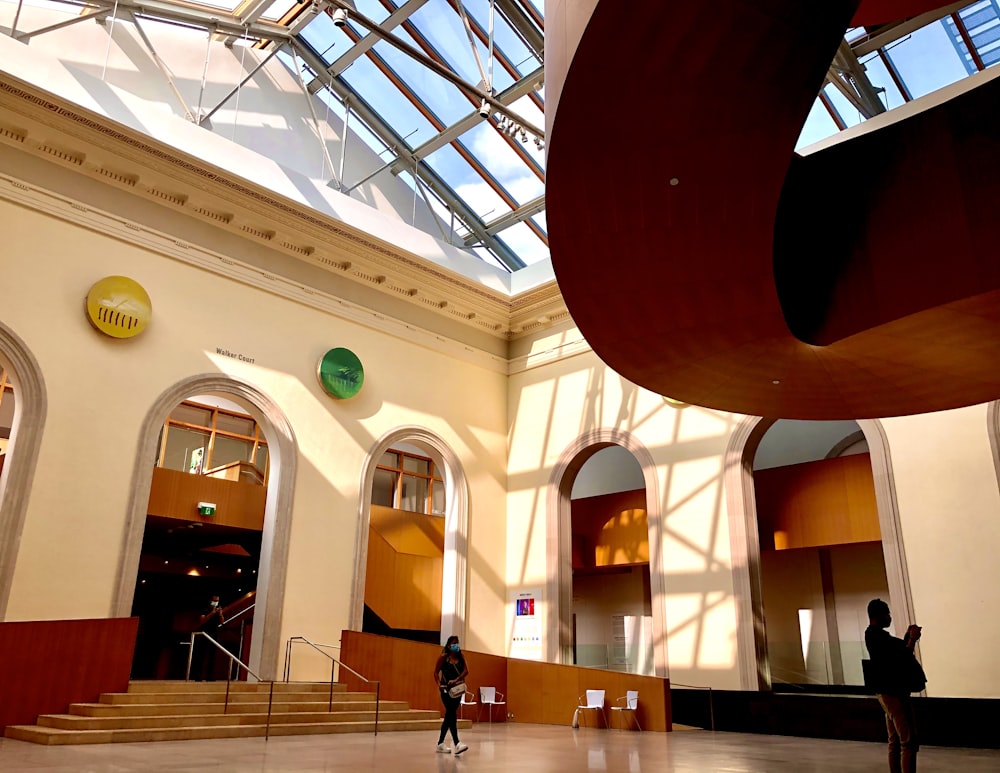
(506, 747)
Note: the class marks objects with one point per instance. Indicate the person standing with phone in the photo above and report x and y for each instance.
(450, 672)
(895, 673)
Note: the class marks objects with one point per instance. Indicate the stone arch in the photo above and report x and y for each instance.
(454, 617)
(30, 406)
(559, 532)
(283, 455)
(745, 545)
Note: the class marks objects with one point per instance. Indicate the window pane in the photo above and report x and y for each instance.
(228, 450)
(6, 411)
(383, 488)
(185, 450)
(238, 425)
(192, 414)
(389, 459)
(414, 497)
(261, 461)
(437, 498)
(415, 464)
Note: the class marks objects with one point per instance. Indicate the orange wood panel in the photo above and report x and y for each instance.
(543, 693)
(410, 532)
(403, 589)
(827, 502)
(46, 665)
(547, 693)
(610, 530)
(176, 494)
(406, 669)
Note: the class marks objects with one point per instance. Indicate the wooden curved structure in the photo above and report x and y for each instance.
(704, 260)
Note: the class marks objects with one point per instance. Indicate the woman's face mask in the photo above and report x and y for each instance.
(213, 603)
(455, 648)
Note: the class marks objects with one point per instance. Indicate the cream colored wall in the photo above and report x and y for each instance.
(550, 406)
(100, 390)
(947, 489)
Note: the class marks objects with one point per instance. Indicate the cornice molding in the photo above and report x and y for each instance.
(70, 136)
(110, 225)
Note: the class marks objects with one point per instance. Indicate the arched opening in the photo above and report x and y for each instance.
(560, 639)
(810, 546)
(23, 417)
(273, 552)
(612, 609)
(202, 539)
(414, 507)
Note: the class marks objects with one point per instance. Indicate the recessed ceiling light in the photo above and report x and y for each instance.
(776, 381)
(675, 180)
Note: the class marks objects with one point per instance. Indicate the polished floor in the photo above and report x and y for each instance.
(513, 747)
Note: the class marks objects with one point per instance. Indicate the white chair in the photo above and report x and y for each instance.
(490, 698)
(628, 703)
(593, 701)
(468, 699)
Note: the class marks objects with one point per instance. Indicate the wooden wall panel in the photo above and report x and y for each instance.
(408, 532)
(176, 494)
(542, 693)
(828, 502)
(403, 589)
(547, 693)
(406, 669)
(46, 665)
(610, 530)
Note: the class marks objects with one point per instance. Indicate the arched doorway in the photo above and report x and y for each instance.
(28, 397)
(612, 599)
(202, 539)
(559, 590)
(265, 645)
(454, 580)
(745, 536)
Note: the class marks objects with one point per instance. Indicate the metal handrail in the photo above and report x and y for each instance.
(711, 706)
(333, 670)
(229, 672)
(239, 614)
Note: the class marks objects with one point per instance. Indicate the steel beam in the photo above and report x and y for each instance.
(890, 34)
(525, 28)
(98, 15)
(522, 213)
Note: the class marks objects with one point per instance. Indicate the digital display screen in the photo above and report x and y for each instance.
(525, 607)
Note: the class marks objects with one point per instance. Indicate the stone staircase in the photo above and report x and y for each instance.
(175, 711)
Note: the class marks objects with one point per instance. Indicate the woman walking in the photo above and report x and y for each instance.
(449, 674)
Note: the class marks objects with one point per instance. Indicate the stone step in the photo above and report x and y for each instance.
(180, 686)
(215, 707)
(218, 696)
(57, 736)
(76, 722)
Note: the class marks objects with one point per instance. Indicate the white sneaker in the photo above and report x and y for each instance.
(443, 749)
(460, 748)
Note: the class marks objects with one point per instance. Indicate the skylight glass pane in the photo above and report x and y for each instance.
(467, 183)
(818, 126)
(927, 60)
(880, 78)
(847, 110)
(442, 28)
(504, 163)
(504, 38)
(440, 96)
(372, 9)
(524, 243)
(366, 79)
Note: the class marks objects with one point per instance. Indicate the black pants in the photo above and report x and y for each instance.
(450, 721)
(203, 658)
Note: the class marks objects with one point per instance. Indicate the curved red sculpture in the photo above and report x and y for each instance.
(704, 260)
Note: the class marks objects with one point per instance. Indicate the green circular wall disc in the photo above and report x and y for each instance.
(341, 373)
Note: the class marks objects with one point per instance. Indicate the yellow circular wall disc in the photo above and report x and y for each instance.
(119, 307)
